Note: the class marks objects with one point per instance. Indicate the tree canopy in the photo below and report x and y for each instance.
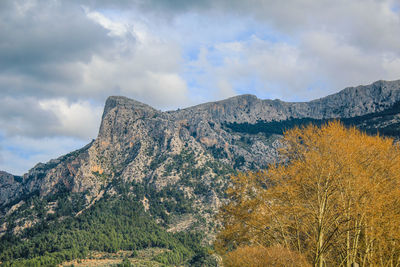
(333, 198)
(115, 222)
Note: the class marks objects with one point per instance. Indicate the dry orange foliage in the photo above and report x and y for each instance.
(335, 198)
(258, 256)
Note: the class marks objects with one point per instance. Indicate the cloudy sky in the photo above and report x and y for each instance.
(59, 60)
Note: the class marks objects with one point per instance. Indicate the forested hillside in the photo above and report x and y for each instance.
(154, 179)
(114, 223)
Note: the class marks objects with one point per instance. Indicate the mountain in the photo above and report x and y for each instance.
(176, 164)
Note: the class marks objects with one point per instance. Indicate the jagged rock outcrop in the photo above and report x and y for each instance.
(9, 185)
(191, 150)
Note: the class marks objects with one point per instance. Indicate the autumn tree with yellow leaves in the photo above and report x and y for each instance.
(334, 198)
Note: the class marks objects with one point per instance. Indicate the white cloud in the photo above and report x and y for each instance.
(317, 64)
(225, 89)
(23, 117)
(274, 66)
(148, 74)
(341, 64)
(115, 28)
(146, 68)
(79, 119)
(25, 6)
(60, 61)
(391, 66)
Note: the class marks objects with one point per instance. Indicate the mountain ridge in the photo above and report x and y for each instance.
(189, 151)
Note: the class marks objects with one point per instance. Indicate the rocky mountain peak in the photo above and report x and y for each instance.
(187, 154)
(9, 185)
(124, 102)
(350, 102)
(357, 101)
(120, 109)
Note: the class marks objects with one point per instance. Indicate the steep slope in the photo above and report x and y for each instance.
(180, 159)
(9, 185)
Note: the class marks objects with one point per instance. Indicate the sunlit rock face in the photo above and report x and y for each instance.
(193, 150)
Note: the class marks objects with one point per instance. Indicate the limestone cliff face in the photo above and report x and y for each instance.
(9, 185)
(191, 150)
(350, 102)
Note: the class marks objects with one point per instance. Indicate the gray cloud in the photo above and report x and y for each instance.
(371, 25)
(58, 58)
(165, 8)
(338, 43)
(62, 49)
(35, 118)
(25, 117)
(63, 58)
(57, 50)
(48, 32)
(38, 39)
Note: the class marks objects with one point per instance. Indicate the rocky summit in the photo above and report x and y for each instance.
(181, 160)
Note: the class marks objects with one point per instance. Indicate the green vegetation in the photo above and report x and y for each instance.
(114, 223)
(167, 200)
(270, 128)
(368, 123)
(101, 176)
(183, 164)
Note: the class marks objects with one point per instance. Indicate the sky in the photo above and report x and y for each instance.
(60, 60)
